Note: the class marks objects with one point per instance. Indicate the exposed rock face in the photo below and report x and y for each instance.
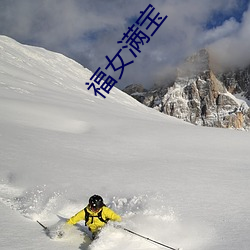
(237, 81)
(134, 88)
(137, 91)
(199, 97)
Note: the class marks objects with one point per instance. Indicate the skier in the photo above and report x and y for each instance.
(95, 214)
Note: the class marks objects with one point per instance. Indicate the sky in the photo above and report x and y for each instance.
(88, 30)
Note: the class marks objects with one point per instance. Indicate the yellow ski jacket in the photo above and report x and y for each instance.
(94, 223)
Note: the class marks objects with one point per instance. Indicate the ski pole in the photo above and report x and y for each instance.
(45, 228)
(146, 238)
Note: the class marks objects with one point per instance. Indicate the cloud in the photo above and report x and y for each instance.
(233, 49)
(88, 30)
(228, 28)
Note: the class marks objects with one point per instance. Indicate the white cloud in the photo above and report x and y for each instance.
(233, 50)
(228, 28)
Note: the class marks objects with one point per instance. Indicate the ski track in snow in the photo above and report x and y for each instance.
(43, 117)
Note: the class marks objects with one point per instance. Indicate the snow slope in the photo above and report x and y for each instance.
(176, 183)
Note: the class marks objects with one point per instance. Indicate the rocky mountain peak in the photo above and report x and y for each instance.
(201, 97)
(197, 64)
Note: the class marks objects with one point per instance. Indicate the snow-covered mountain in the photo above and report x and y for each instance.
(182, 185)
(201, 96)
(237, 81)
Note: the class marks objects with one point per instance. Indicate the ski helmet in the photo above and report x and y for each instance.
(96, 202)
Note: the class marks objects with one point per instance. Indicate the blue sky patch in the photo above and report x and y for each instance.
(219, 17)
